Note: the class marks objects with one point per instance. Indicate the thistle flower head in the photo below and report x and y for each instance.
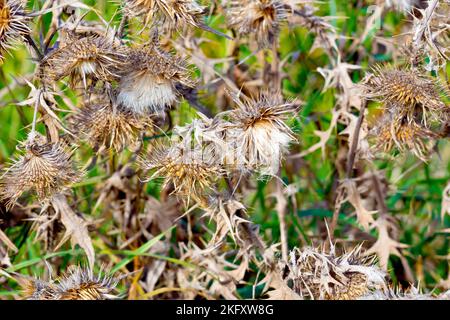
(44, 168)
(91, 57)
(82, 284)
(76, 284)
(391, 293)
(13, 23)
(260, 18)
(409, 91)
(262, 136)
(318, 274)
(172, 13)
(189, 171)
(396, 132)
(36, 289)
(148, 83)
(105, 126)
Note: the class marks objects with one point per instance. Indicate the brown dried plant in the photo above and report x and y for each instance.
(259, 130)
(90, 57)
(149, 80)
(187, 171)
(77, 283)
(319, 274)
(173, 13)
(105, 126)
(13, 24)
(44, 168)
(262, 19)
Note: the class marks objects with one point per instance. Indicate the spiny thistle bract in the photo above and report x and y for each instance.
(320, 275)
(261, 135)
(148, 83)
(105, 126)
(409, 91)
(396, 132)
(76, 284)
(13, 23)
(44, 168)
(91, 57)
(172, 13)
(259, 18)
(391, 293)
(189, 171)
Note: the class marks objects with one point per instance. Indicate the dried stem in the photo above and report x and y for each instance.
(354, 146)
(349, 169)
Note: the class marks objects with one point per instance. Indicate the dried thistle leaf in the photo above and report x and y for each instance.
(385, 245)
(76, 227)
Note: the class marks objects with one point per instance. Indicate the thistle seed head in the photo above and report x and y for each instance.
(44, 168)
(190, 174)
(36, 289)
(13, 24)
(396, 132)
(262, 136)
(92, 57)
(318, 274)
(105, 126)
(148, 84)
(408, 91)
(76, 284)
(259, 18)
(171, 13)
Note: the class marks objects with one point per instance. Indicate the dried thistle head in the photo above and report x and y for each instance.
(44, 168)
(396, 132)
(172, 13)
(190, 173)
(317, 274)
(77, 283)
(392, 293)
(261, 134)
(36, 289)
(13, 23)
(259, 18)
(91, 57)
(407, 92)
(148, 83)
(82, 284)
(105, 126)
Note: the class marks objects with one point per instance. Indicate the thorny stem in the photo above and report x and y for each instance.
(379, 195)
(275, 88)
(354, 146)
(349, 168)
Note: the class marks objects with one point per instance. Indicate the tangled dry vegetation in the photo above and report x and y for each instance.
(228, 149)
